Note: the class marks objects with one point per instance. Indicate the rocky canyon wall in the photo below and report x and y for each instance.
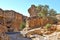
(11, 19)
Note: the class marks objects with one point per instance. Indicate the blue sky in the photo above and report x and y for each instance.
(22, 6)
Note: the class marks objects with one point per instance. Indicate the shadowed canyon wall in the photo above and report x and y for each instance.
(11, 20)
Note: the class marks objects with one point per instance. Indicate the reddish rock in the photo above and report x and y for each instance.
(3, 29)
(11, 19)
(32, 11)
(35, 22)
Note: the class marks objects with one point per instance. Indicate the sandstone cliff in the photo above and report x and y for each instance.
(35, 22)
(11, 19)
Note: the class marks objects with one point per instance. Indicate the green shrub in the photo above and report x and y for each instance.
(48, 25)
(22, 25)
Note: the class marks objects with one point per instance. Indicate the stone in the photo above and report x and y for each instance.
(11, 19)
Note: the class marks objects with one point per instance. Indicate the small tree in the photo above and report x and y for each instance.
(48, 26)
(22, 25)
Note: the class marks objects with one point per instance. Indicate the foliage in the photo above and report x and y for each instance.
(22, 25)
(44, 10)
(48, 25)
(53, 20)
(52, 12)
(40, 15)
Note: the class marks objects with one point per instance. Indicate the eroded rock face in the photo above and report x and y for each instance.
(35, 22)
(11, 19)
(32, 11)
